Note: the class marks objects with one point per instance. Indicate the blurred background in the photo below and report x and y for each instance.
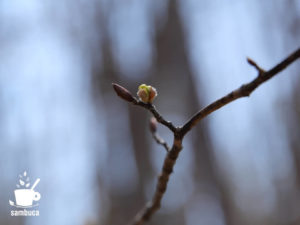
(62, 122)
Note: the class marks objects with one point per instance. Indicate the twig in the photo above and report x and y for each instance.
(156, 114)
(156, 137)
(152, 206)
(244, 91)
(160, 141)
(258, 68)
(127, 96)
(179, 132)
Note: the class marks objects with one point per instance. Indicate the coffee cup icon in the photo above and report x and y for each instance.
(25, 197)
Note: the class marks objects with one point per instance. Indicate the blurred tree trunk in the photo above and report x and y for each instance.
(176, 83)
(172, 76)
(288, 194)
(121, 204)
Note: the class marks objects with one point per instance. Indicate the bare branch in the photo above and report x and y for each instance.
(179, 132)
(127, 96)
(243, 91)
(156, 114)
(156, 137)
(160, 141)
(152, 206)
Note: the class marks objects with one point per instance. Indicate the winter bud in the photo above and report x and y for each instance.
(153, 125)
(123, 92)
(146, 93)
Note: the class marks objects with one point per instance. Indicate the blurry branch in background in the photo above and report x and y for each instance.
(179, 132)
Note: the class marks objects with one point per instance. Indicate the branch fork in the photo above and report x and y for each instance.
(179, 132)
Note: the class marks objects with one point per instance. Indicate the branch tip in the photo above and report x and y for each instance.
(257, 67)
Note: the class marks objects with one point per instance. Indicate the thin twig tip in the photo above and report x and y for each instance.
(254, 64)
(251, 62)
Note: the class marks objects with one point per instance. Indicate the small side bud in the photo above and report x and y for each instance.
(123, 92)
(146, 93)
(153, 125)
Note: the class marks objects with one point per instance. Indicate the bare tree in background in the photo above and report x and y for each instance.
(171, 65)
(173, 68)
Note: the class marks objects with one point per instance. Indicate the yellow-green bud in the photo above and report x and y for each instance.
(146, 93)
